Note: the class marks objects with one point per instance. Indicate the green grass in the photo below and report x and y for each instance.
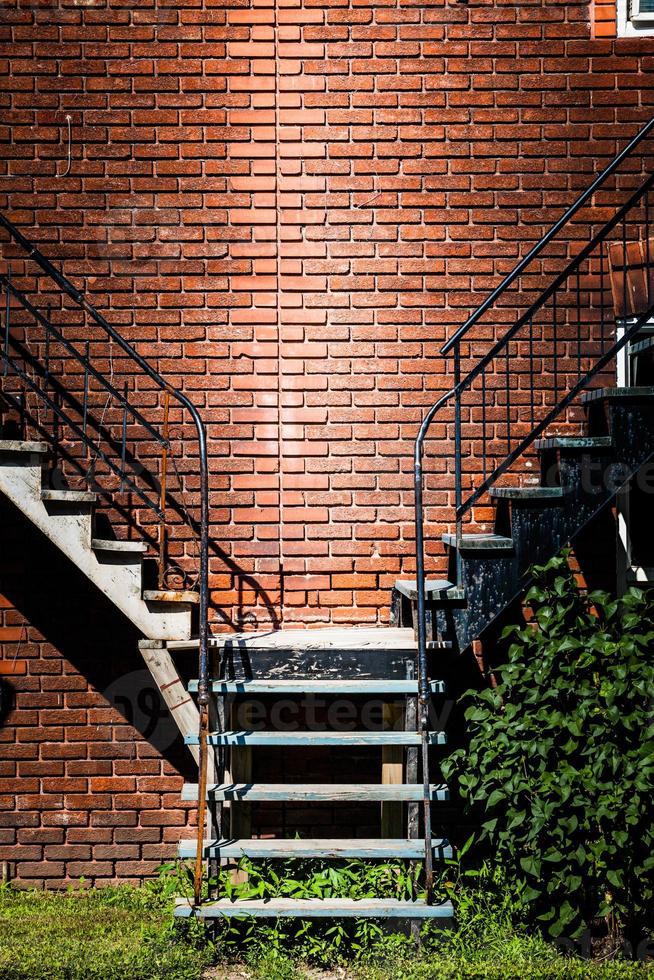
(129, 933)
(119, 933)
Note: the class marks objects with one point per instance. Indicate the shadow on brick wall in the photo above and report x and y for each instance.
(67, 618)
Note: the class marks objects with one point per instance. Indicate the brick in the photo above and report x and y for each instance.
(289, 229)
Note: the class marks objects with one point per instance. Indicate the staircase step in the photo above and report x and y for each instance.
(169, 595)
(436, 590)
(331, 687)
(526, 493)
(68, 497)
(597, 394)
(332, 638)
(479, 542)
(346, 847)
(318, 792)
(124, 547)
(314, 908)
(314, 738)
(20, 446)
(573, 443)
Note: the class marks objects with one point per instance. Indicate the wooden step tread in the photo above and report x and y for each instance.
(332, 687)
(129, 547)
(69, 496)
(327, 848)
(575, 442)
(314, 738)
(479, 542)
(315, 908)
(23, 446)
(436, 590)
(318, 792)
(333, 638)
(169, 595)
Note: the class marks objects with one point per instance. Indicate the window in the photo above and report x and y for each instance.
(635, 18)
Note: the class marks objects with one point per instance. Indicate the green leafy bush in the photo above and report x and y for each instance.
(559, 770)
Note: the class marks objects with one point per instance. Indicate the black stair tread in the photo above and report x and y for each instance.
(597, 394)
(479, 542)
(575, 442)
(299, 686)
(318, 738)
(319, 792)
(330, 638)
(642, 345)
(312, 908)
(440, 590)
(328, 848)
(526, 493)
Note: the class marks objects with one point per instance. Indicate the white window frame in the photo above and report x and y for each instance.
(633, 23)
(627, 572)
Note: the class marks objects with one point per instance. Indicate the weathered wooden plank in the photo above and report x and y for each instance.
(332, 638)
(317, 738)
(392, 773)
(322, 686)
(333, 654)
(182, 707)
(317, 792)
(315, 908)
(240, 771)
(317, 847)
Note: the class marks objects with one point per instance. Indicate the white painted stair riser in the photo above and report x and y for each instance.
(70, 531)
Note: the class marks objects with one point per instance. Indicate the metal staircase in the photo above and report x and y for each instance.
(525, 414)
(520, 491)
(354, 664)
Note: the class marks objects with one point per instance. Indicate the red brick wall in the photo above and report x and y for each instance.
(83, 792)
(287, 208)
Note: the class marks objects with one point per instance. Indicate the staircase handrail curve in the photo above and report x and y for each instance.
(203, 578)
(543, 242)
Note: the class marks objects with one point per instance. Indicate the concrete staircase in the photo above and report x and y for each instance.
(67, 519)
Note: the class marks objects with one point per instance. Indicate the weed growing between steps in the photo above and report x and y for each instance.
(321, 941)
(558, 771)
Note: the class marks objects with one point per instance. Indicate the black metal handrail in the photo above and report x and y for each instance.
(566, 332)
(80, 431)
(515, 273)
